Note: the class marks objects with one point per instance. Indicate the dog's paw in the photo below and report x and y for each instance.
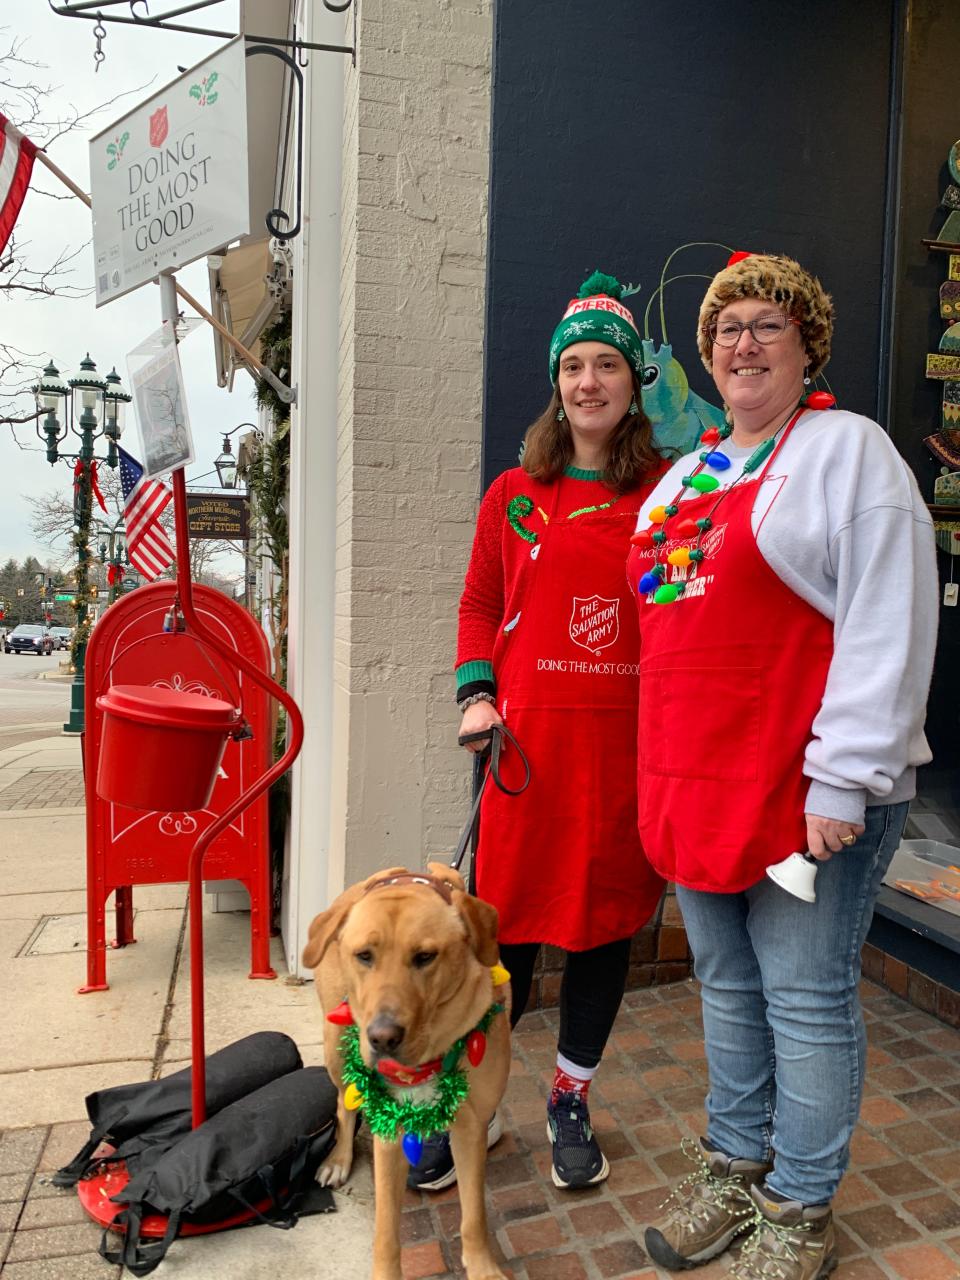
(480, 1267)
(335, 1170)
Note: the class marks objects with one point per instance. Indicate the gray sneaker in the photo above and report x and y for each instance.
(706, 1210)
(790, 1240)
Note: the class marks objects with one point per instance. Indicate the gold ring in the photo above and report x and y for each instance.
(851, 839)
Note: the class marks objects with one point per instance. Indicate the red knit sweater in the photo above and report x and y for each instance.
(501, 554)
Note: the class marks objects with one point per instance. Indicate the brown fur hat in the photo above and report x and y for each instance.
(781, 281)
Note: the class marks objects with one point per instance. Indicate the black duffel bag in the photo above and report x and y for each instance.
(259, 1154)
(142, 1120)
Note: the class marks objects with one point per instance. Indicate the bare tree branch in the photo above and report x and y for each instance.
(30, 417)
(16, 274)
(37, 107)
(27, 97)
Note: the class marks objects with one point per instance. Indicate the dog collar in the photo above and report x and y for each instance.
(391, 1118)
(414, 877)
(398, 1073)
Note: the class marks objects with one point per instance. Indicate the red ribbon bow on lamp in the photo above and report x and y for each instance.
(114, 574)
(94, 482)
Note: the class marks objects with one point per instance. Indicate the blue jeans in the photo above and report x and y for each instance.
(785, 1041)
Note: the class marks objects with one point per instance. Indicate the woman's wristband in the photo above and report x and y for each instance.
(475, 686)
(473, 699)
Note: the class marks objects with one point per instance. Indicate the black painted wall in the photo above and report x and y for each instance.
(622, 129)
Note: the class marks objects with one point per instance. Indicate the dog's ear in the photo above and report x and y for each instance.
(327, 925)
(482, 921)
(446, 875)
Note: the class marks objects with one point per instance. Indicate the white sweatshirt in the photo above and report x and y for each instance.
(839, 519)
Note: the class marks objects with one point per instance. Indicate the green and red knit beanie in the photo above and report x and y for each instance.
(596, 314)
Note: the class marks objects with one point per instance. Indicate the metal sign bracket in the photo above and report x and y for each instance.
(95, 11)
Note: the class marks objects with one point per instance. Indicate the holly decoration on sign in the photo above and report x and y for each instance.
(115, 149)
(202, 92)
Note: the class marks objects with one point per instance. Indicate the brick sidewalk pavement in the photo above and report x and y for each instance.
(44, 789)
(898, 1209)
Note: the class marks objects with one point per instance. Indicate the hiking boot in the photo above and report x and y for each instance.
(435, 1168)
(577, 1158)
(706, 1210)
(790, 1240)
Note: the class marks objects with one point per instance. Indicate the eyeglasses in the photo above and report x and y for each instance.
(764, 329)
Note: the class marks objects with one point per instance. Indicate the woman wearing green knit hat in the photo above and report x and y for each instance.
(548, 644)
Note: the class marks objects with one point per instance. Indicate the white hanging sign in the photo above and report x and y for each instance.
(169, 181)
(160, 401)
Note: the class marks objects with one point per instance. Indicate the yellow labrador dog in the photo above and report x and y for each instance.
(411, 956)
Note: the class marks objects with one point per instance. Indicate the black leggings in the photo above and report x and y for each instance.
(590, 994)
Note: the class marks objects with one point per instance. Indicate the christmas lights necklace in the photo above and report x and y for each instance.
(386, 1113)
(655, 536)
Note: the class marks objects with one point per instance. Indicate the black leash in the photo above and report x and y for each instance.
(494, 736)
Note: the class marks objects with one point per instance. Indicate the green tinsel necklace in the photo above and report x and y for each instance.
(387, 1114)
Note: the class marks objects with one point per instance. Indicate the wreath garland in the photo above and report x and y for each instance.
(385, 1112)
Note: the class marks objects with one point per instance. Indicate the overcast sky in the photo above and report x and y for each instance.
(65, 330)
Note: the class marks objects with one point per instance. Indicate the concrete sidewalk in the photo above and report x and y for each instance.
(58, 1046)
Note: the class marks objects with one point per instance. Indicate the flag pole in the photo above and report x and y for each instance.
(58, 172)
(261, 370)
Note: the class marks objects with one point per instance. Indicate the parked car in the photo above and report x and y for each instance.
(62, 637)
(28, 637)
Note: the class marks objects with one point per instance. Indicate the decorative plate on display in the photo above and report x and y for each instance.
(950, 300)
(946, 488)
(953, 161)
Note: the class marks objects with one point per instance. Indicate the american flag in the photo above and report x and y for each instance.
(16, 165)
(143, 500)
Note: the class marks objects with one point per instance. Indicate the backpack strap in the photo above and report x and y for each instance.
(281, 1212)
(71, 1173)
(140, 1257)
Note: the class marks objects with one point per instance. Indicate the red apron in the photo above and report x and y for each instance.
(732, 676)
(562, 862)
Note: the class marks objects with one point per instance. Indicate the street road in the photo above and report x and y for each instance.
(29, 707)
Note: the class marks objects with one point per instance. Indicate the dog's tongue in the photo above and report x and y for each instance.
(399, 1073)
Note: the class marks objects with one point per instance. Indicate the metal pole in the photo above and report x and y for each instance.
(112, 561)
(83, 497)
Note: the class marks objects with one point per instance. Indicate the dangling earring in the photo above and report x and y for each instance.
(633, 410)
(560, 414)
(806, 375)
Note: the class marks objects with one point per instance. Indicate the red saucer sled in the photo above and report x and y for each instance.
(96, 1191)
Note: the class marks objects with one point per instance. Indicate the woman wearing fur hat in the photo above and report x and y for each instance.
(786, 584)
(548, 644)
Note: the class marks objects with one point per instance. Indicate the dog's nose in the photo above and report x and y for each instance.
(385, 1034)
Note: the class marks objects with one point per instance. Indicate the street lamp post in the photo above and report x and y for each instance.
(92, 407)
(113, 554)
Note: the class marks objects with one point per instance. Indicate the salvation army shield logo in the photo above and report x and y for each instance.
(713, 541)
(159, 127)
(594, 622)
